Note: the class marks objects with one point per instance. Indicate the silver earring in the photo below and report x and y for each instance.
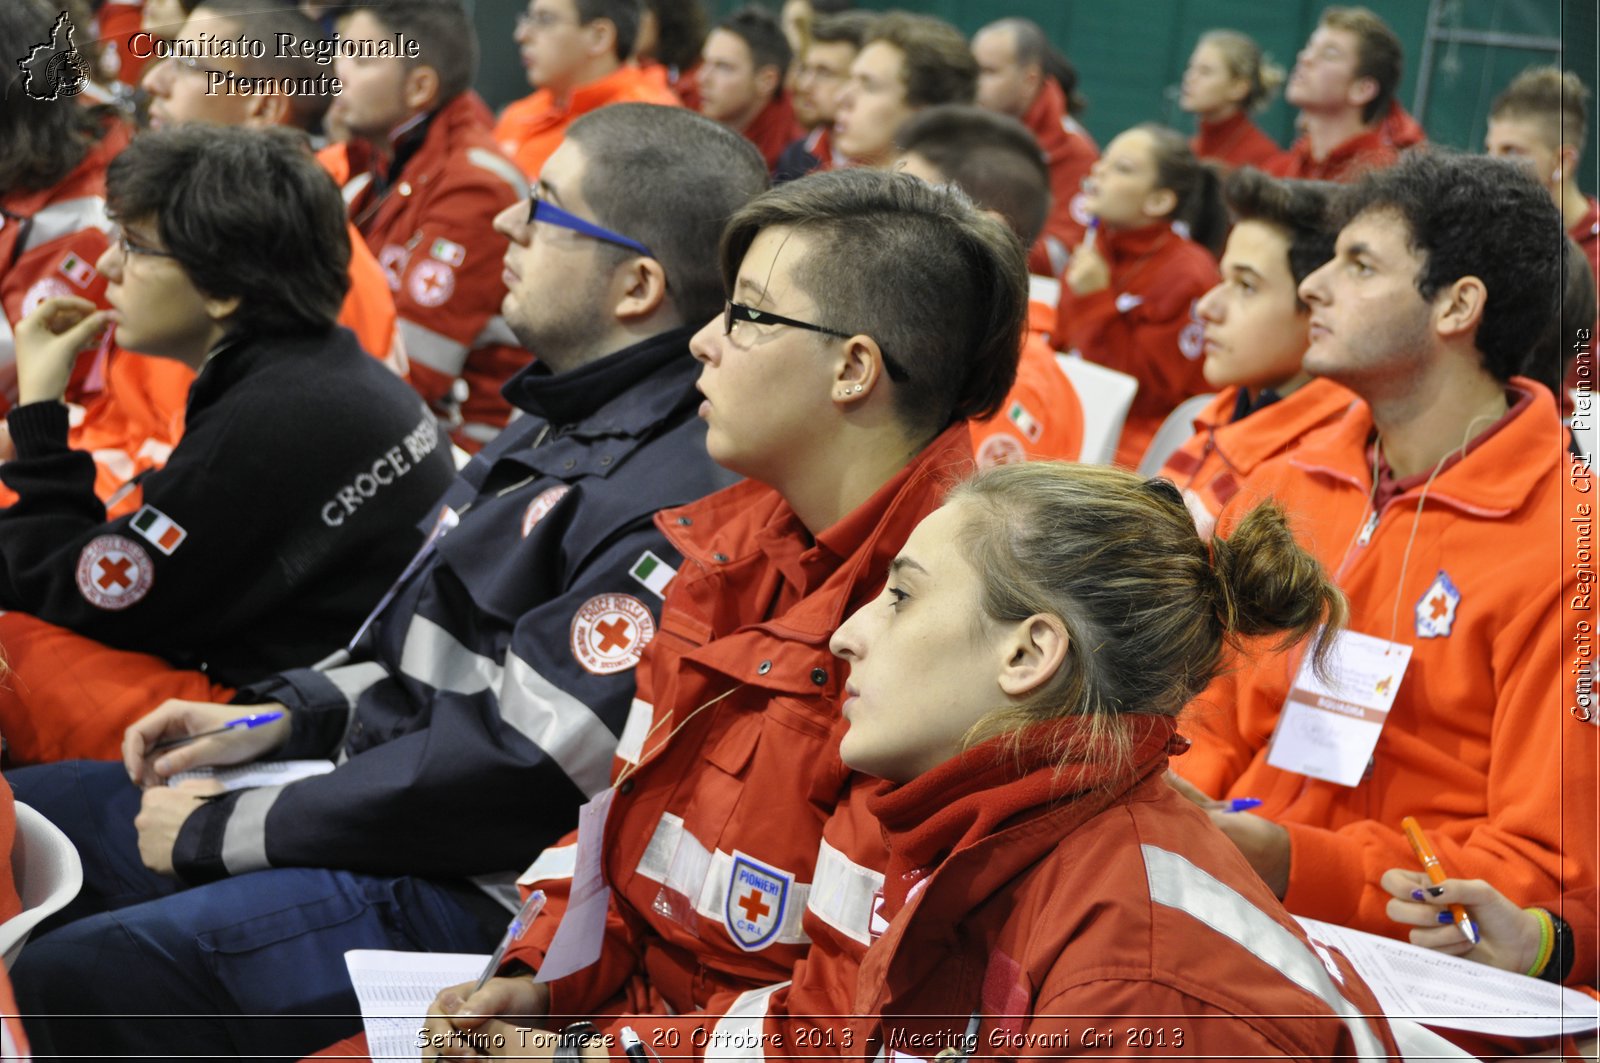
(858, 389)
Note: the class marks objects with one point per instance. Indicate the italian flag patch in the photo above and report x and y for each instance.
(1025, 421)
(158, 529)
(653, 572)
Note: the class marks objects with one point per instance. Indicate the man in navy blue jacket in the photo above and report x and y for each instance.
(477, 708)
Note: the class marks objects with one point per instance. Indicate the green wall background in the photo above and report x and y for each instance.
(1130, 55)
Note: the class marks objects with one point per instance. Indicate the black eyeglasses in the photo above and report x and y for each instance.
(128, 247)
(733, 313)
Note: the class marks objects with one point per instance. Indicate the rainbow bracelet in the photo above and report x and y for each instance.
(1547, 940)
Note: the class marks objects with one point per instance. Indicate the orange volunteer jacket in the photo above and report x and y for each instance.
(1069, 151)
(426, 214)
(1235, 141)
(1143, 324)
(530, 130)
(1479, 745)
(1373, 149)
(1226, 448)
(116, 23)
(1042, 419)
(1065, 918)
(728, 775)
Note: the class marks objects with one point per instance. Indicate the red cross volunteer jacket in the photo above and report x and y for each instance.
(1040, 910)
(1226, 449)
(1478, 578)
(428, 215)
(1143, 324)
(729, 780)
(283, 513)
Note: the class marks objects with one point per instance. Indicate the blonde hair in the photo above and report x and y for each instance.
(1558, 100)
(1148, 605)
(1244, 59)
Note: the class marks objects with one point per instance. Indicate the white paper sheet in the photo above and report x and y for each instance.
(261, 773)
(395, 990)
(1451, 993)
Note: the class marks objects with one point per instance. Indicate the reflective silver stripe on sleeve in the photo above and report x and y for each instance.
(354, 187)
(843, 892)
(501, 167)
(497, 332)
(439, 353)
(677, 859)
(555, 863)
(630, 746)
(65, 218)
(480, 432)
(558, 723)
(741, 1031)
(244, 839)
(8, 342)
(1177, 883)
(566, 729)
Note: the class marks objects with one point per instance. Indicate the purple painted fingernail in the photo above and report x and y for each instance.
(1418, 895)
(1446, 917)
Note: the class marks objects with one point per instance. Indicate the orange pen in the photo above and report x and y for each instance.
(1436, 875)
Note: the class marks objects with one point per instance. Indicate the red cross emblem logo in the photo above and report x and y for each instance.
(114, 572)
(432, 282)
(758, 900)
(610, 632)
(1436, 609)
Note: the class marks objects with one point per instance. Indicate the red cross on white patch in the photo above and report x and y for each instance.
(1436, 609)
(432, 283)
(610, 632)
(114, 573)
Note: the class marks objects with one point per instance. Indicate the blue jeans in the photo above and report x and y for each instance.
(251, 965)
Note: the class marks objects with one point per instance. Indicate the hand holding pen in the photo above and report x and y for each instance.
(1435, 872)
(183, 735)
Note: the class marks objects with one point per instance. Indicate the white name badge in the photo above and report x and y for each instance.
(583, 928)
(1329, 730)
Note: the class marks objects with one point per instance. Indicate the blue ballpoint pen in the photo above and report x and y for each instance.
(243, 723)
(1241, 804)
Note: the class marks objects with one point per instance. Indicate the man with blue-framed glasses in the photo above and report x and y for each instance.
(480, 704)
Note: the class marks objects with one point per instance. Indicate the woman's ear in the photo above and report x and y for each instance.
(1035, 650)
(220, 309)
(856, 372)
(1160, 203)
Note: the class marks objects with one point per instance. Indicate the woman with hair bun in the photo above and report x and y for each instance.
(1227, 79)
(1017, 684)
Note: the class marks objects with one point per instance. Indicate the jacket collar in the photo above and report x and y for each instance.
(604, 393)
(594, 94)
(1248, 441)
(746, 519)
(1125, 246)
(1502, 468)
(1215, 137)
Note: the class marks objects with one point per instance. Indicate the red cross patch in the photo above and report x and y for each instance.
(432, 283)
(1002, 448)
(610, 632)
(114, 573)
(540, 506)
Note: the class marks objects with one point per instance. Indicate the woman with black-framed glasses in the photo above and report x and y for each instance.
(286, 507)
(868, 316)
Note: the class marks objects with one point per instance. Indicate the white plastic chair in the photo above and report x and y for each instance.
(1106, 396)
(1174, 432)
(48, 875)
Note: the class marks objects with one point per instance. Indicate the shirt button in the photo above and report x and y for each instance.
(684, 522)
(719, 557)
(763, 668)
(606, 460)
(404, 188)
(819, 676)
(569, 463)
(625, 787)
